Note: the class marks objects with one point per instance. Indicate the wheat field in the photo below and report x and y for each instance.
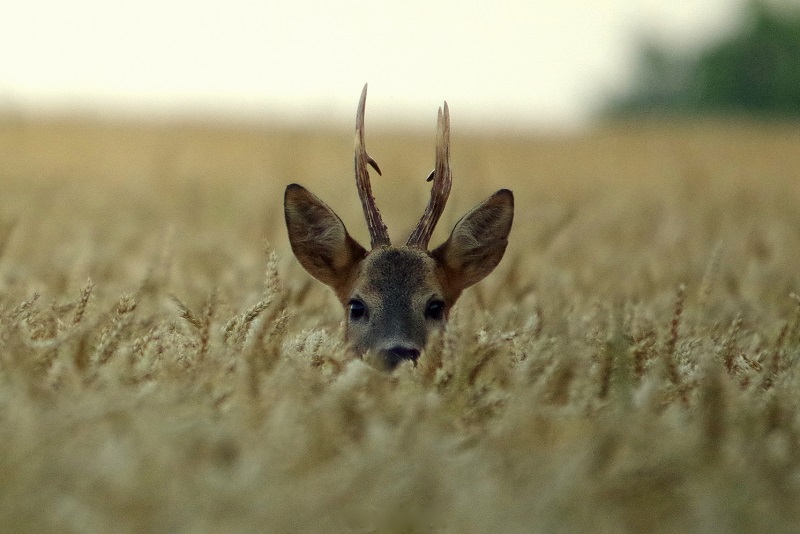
(167, 366)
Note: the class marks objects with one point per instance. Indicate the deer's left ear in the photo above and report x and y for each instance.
(319, 239)
(477, 243)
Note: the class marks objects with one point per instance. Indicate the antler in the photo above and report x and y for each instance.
(442, 182)
(378, 233)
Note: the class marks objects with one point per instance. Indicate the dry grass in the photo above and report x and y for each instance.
(630, 366)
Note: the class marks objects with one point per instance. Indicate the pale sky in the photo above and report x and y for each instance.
(538, 64)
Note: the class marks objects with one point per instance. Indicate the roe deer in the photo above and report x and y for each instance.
(395, 296)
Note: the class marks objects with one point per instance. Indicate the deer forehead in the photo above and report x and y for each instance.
(397, 273)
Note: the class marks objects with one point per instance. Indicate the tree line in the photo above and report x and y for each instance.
(752, 71)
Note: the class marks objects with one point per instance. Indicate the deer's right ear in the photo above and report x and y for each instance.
(319, 239)
(477, 243)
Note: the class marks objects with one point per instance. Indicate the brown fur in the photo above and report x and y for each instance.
(320, 240)
(396, 284)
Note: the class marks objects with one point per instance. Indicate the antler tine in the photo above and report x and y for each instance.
(442, 181)
(379, 235)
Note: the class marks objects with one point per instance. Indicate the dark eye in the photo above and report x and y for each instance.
(357, 309)
(435, 310)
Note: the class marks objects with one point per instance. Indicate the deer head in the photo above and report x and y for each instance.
(395, 296)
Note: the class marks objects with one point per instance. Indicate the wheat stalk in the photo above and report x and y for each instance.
(80, 308)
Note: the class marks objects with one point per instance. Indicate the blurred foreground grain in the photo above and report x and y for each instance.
(166, 366)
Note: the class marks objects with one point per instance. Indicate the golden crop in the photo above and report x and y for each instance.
(631, 366)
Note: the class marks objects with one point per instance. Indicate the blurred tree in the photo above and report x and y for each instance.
(754, 71)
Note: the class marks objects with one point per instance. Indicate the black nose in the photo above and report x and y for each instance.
(397, 354)
(405, 353)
